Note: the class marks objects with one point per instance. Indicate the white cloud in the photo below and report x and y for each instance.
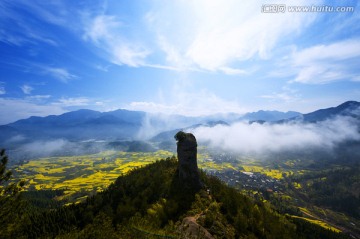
(14, 109)
(264, 138)
(105, 32)
(190, 104)
(213, 34)
(336, 51)
(173, 55)
(101, 28)
(26, 89)
(165, 67)
(326, 63)
(233, 71)
(210, 35)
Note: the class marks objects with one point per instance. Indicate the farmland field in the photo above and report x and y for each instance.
(90, 173)
(86, 173)
(94, 172)
(79, 176)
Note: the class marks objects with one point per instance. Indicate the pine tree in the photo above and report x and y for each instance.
(5, 175)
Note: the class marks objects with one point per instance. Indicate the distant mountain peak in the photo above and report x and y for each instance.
(349, 104)
(347, 109)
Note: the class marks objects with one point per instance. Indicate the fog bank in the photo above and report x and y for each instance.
(272, 138)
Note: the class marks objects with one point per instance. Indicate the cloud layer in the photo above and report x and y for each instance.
(198, 103)
(325, 63)
(271, 138)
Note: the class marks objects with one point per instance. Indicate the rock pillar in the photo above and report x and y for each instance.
(187, 156)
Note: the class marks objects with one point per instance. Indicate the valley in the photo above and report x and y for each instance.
(323, 193)
(80, 176)
(180, 119)
(285, 185)
(303, 171)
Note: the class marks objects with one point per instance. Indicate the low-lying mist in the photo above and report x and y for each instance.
(63, 147)
(242, 138)
(256, 138)
(51, 147)
(153, 124)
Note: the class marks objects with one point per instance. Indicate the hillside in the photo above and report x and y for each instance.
(150, 202)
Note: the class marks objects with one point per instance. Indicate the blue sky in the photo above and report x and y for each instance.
(186, 57)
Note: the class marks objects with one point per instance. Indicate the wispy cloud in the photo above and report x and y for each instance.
(285, 95)
(18, 30)
(11, 39)
(101, 28)
(61, 74)
(26, 89)
(105, 31)
(326, 63)
(102, 68)
(38, 97)
(45, 11)
(191, 104)
(233, 71)
(166, 67)
(2, 88)
(68, 102)
(279, 96)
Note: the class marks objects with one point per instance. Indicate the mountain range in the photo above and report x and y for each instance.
(349, 108)
(269, 115)
(120, 125)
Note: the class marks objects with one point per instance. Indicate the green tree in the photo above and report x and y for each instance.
(5, 175)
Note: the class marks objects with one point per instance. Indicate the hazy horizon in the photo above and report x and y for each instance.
(169, 114)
